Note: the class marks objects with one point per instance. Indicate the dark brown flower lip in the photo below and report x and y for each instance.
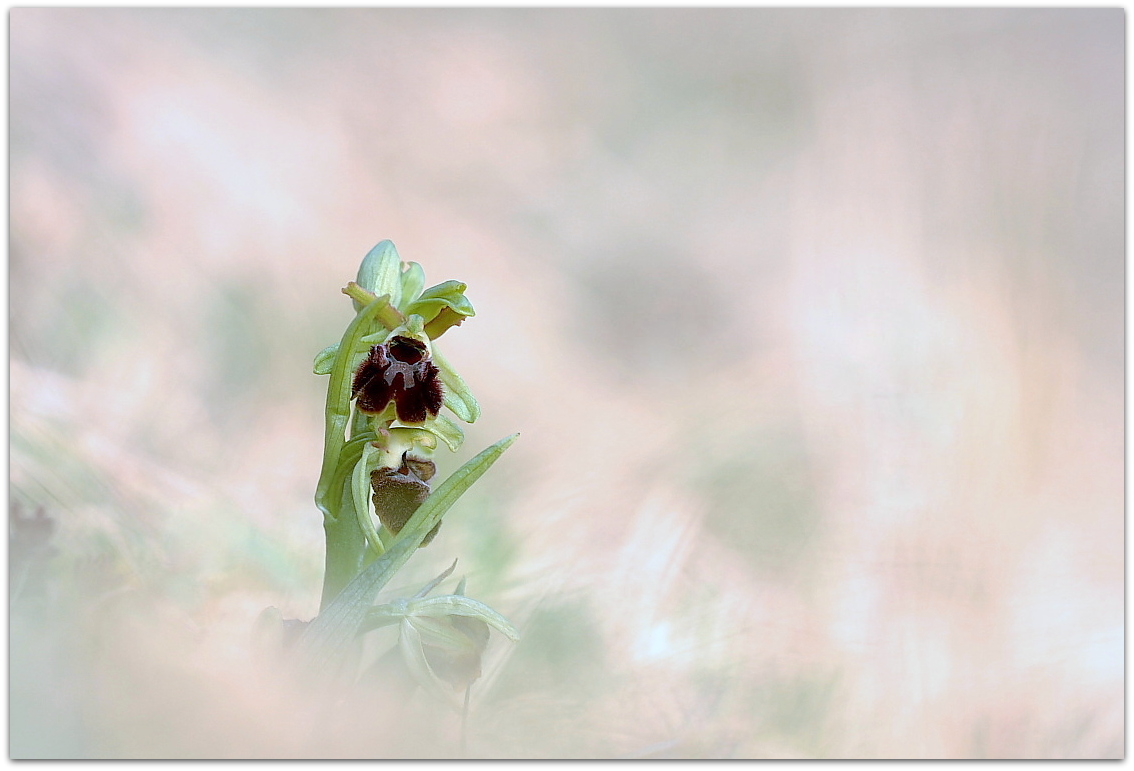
(399, 370)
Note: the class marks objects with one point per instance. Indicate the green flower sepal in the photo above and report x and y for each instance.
(441, 307)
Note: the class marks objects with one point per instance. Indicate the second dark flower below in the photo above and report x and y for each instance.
(399, 492)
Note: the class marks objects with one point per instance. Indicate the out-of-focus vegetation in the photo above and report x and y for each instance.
(812, 323)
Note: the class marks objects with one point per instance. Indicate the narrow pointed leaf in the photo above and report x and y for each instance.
(435, 506)
(456, 605)
(383, 615)
(425, 590)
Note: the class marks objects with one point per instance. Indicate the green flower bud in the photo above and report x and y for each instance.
(381, 273)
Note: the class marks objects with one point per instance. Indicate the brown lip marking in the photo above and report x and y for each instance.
(400, 371)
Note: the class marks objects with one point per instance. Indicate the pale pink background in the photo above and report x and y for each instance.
(811, 323)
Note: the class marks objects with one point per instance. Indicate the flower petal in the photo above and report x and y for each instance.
(446, 294)
(413, 279)
(448, 431)
(458, 397)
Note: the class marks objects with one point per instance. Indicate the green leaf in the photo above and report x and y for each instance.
(383, 615)
(381, 273)
(464, 406)
(456, 605)
(440, 632)
(434, 583)
(329, 635)
(435, 506)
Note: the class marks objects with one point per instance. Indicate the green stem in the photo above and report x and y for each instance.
(346, 542)
(346, 547)
(338, 402)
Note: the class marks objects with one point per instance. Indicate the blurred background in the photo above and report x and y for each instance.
(811, 322)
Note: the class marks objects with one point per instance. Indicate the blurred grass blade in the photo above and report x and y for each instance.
(328, 636)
